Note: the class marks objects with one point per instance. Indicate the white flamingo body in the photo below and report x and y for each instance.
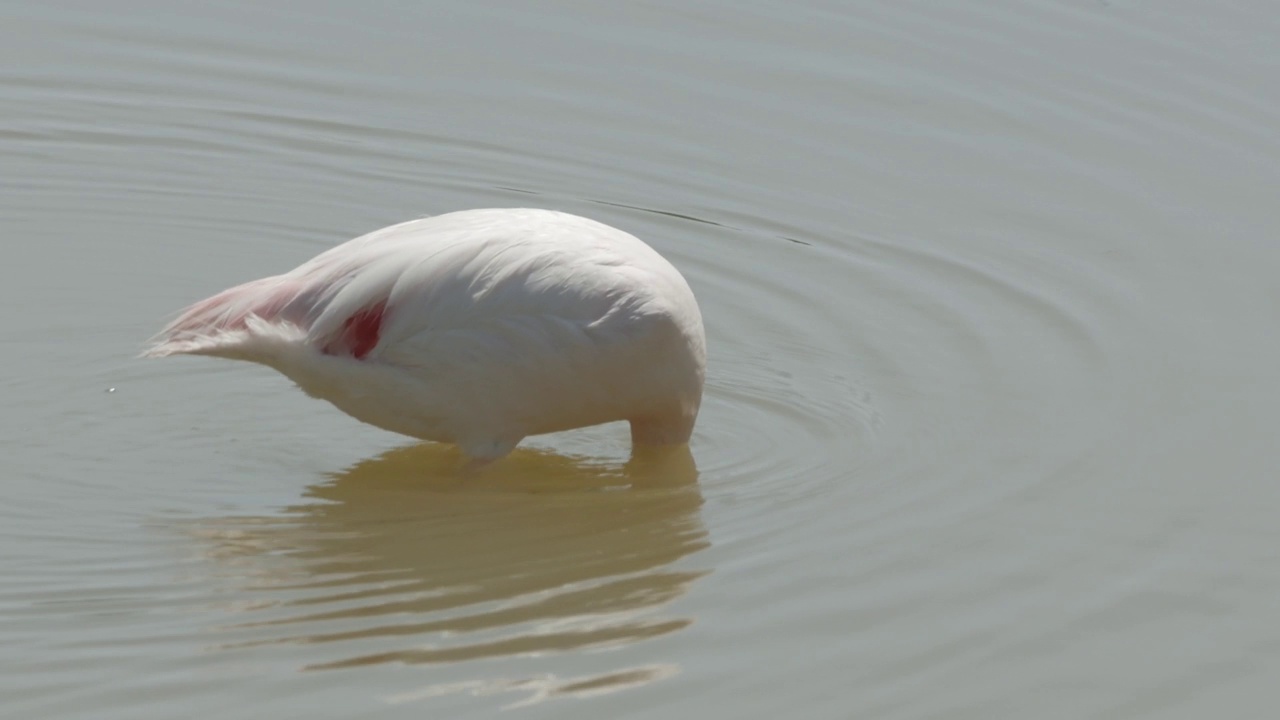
(477, 328)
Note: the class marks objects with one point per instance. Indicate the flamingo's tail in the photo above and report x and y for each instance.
(248, 322)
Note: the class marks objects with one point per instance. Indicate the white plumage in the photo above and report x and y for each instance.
(477, 328)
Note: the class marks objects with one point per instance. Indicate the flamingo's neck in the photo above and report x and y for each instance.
(672, 429)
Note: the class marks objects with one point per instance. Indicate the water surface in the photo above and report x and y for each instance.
(991, 409)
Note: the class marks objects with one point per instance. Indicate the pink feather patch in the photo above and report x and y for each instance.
(360, 332)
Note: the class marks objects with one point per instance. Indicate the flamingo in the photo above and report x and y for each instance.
(477, 328)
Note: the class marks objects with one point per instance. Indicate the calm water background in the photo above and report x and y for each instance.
(991, 294)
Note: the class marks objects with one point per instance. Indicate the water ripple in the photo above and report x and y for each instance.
(526, 559)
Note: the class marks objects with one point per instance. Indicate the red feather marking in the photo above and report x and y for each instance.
(360, 332)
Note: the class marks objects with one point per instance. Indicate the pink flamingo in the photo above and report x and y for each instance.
(477, 328)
